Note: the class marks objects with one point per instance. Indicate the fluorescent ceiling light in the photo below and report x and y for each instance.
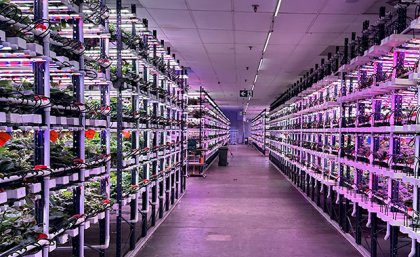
(252, 88)
(266, 41)
(259, 65)
(277, 8)
(256, 77)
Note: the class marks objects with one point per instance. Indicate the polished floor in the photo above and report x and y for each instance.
(247, 209)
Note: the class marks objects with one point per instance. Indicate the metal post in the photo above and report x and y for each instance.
(373, 235)
(135, 137)
(318, 193)
(358, 232)
(119, 85)
(144, 207)
(417, 249)
(105, 135)
(184, 135)
(341, 213)
(394, 241)
(332, 205)
(308, 184)
(313, 189)
(346, 226)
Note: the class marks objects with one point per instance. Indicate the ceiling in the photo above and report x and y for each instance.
(213, 38)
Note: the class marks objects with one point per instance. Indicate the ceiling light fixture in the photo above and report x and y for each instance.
(259, 65)
(277, 8)
(266, 41)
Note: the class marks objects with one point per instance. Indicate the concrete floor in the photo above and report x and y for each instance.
(245, 209)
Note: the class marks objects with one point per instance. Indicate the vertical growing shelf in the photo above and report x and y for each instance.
(92, 125)
(348, 136)
(207, 125)
(258, 131)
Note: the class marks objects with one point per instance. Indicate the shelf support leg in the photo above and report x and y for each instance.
(373, 235)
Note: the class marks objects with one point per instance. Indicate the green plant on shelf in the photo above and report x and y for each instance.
(59, 25)
(61, 155)
(126, 68)
(10, 88)
(94, 150)
(131, 41)
(126, 109)
(127, 187)
(61, 95)
(12, 11)
(95, 200)
(18, 227)
(61, 207)
(126, 149)
(17, 155)
(93, 108)
(62, 214)
(113, 32)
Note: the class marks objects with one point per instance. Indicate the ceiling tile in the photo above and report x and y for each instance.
(172, 18)
(250, 38)
(164, 4)
(244, 49)
(274, 50)
(331, 23)
(253, 21)
(350, 7)
(189, 47)
(357, 24)
(213, 20)
(226, 78)
(264, 6)
(293, 23)
(182, 35)
(273, 61)
(283, 38)
(219, 48)
(213, 5)
(143, 13)
(322, 39)
(216, 36)
(224, 62)
(302, 6)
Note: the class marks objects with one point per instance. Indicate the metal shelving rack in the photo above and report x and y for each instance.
(258, 131)
(207, 125)
(93, 106)
(347, 136)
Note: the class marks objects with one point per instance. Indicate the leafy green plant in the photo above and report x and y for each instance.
(18, 227)
(62, 96)
(127, 188)
(61, 207)
(95, 201)
(16, 156)
(125, 70)
(126, 149)
(94, 149)
(61, 155)
(9, 88)
(127, 110)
